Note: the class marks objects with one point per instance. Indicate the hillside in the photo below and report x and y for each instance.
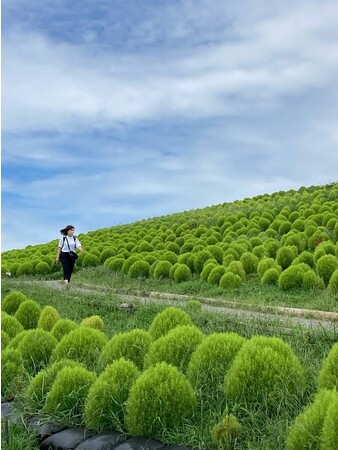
(289, 239)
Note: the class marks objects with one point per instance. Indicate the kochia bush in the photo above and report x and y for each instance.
(62, 327)
(36, 348)
(48, 318)
(4, 339)
(328, 376)
(285, 256)
(10, 325)
(13, 374)
(175, 348)
(28, 314)
(333, 283)
(160, 400)
(105, 403)
(270, 276)
(182, 273)
(93, 322)
(230, 281)
(312, 281)
(139, 269)
(216, 274)
(162, 269)
(12, 301)
(250, 262)
(291, 278)
(206, 270)
(167, 320)
(325, 267)
(329, 437)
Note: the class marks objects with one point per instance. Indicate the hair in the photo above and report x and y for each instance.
(65, 230)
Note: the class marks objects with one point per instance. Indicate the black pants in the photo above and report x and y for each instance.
(67, 265)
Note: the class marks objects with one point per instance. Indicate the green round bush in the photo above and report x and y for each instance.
(129, 262)
(194, 305)
(107, 253)
(167, 320)
(68, 393)
(236, 267)
(216, 274)
(114, 263)
(306, 431)
(182, 273)
(206, 270)
(250, 262)
(200, 258)
(304, 257)
(10, 325)
(132, 345)
(48, 318)
(333, 283)
(25, 268)
(107, 397)
(36, 348)
(329, 436)
(83, 345)
(139, 269)
(93, 322)
(162, 269)
(62, 327)
(160, 401)
(42, 268)
(4, 339)
(28, 314)
(223, 432)
(285, 256)
(40, 385)
(230, 281)
(271, 247)
(175, 348)
(266, 264)
(264, 372)
(90, 260)
(291, 278)
(312, 281)
(172, 270)
(169, 256)
(211, 360)
(328, 375)
(12, 301)
(13, 374)
(325, 267)
(271, 276)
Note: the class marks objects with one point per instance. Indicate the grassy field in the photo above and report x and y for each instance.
(259, 431)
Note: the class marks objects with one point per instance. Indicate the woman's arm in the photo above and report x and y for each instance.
(57, 259)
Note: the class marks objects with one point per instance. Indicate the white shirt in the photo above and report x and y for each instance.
(64, 246)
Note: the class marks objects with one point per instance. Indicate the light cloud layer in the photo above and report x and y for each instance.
(111, 116)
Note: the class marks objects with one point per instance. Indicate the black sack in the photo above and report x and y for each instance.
(73, 255)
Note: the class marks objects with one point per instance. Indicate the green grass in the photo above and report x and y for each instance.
(17, 437)
(259, 431)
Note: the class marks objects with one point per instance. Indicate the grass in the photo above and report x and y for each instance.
(17, 437)
(259, 430)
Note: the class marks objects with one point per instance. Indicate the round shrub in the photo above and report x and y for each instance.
(140, 269)
(172, 270)
(229, 428)
(62, 327)
(167, 320)
(162, 269)
(270, 276)
(271, 246)
(28, 314)
(266, 264)
(48, 318)
(230, 281)
(129, 262)
(107, 253)
(328, 375)
(40, 385)
(68, 393)
(236, 268)
(169, 256)
(306, 431)
(211, 360)
(259, 251)
(13, 374)
(25, 268)
(304, 257)
(114, 263)
(105, 403)
(285, 256)
(194, 305)
(10, 325)
(312, 281)
(160, 400)
(14, 342)
(216, 274)
(329, 437)
(182, 273)
(132, 345)
(42, 268)
(4, 339)
(83, 345)
(291, 278)
(93, 322)
(333, 283)
(175, 348)
(200, 259)
(12, 301)
(266, 372)
(325, 267)
(36, 348)
(250, 262)
(206, 270)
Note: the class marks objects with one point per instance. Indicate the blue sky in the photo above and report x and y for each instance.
(115, 111)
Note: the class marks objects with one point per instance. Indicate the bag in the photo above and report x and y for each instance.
(73, 255)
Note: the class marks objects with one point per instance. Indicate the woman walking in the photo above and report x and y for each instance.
(66, 252)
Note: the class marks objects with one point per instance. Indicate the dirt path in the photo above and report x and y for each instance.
(287, 316)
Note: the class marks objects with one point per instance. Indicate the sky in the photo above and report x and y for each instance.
(115, 111)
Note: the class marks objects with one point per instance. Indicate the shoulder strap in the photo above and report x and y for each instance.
(74, 241)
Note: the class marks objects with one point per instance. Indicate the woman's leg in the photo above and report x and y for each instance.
(68, 267)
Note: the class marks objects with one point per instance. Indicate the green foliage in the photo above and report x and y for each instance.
(12, 301)
(250, 262)
(114, 263)
(329, 437)
(42, 268)
(291, 278)
(230, 281)
(107, 253)
(167, 320)
(266, 264)
(194, 305)
(139, 269)
(40, 385)
(236, 267)
(129, 262)
(105, 403)
(28, 314)
(68, 393)
(93, 322)
(211, 360)
(182, 273)
(162, 269)
(83, 345)
(132, 345)
(328, 375)
(226, 430)
(90, 260)
(200, 259)
(306, 431)
(175, 348)
(62, 327)
(35, 349)
(312, 281)
(333, 283)
(285, 256)
(10, 325)
(325, 267)
(160, 400)
(13, 375)
(216, 274)
(48, 318)
(265, 371)
(271, 276)
(304, 257)
(4, 339)
(25, 268)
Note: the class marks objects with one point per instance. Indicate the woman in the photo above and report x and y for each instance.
(68, 244)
